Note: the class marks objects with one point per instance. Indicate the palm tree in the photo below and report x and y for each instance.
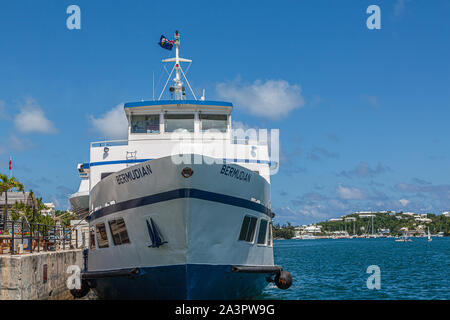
(7, 184)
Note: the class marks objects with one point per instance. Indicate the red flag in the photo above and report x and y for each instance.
(10, 163)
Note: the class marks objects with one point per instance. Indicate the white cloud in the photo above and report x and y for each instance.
(403, 202)
(112, 124)
(14, 143)
(240, 125)
(272, 99)
(399, 7)
(363, 170)
(31, 118)
(349, 193)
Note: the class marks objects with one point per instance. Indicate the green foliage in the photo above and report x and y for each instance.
(65, 217)
(7, 184)
(286, 231)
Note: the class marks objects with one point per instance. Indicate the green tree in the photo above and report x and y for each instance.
(7, 184)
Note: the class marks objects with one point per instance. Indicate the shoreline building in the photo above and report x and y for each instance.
(50, 211)
(13, 197)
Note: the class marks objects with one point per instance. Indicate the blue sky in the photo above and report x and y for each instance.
(364, 113)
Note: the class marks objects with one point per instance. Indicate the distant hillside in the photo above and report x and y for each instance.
(388, 223)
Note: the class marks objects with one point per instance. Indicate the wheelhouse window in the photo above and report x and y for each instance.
(270, 235)
(184, 122)
(119, 231)
(102, 238)
(92, 238)
(217, 122)
(262, 232)
(145, 123)
(248, 229)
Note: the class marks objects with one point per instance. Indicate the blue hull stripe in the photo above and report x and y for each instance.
(180, 194)
(103, 163)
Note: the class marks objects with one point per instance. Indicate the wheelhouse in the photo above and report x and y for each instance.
(159, 119)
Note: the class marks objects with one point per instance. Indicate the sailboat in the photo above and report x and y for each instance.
(429, 235)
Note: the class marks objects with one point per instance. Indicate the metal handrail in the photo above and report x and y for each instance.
(35, 235)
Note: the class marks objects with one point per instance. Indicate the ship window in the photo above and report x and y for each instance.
(145, 123)
(102, 238)
(262, 232)
(104, 175)
(184, 122)
(92, 238)
(270, 236)
(119, 231)
(248, 229)
(214, 122)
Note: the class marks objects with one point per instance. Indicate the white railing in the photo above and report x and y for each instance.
(184, 139)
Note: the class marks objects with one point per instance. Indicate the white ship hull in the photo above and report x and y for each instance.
(200, 217)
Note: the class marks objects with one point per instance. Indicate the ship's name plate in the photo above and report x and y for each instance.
(235, 173)
(134, 174)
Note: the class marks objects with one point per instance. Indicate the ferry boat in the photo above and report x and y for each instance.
(181, 209)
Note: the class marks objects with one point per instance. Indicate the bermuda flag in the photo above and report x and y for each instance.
(10, 163)
(166, 43)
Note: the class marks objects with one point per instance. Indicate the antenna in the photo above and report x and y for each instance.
(177, 87)
(202, 98)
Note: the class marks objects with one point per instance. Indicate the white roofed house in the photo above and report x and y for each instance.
(13, 197)
(313, 229)
(49, 209)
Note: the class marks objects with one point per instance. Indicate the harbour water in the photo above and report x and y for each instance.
(336, 268)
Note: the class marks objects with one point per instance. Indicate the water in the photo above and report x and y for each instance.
(336, 268)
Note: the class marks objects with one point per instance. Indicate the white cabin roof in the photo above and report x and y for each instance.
(145, 107)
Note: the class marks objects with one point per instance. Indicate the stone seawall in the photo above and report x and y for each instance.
(37, 276)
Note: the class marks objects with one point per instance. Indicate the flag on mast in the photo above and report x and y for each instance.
(166, 43)
(10, 163)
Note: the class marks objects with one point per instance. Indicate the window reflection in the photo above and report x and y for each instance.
(102, 238)
(248, 229)
(119, 231)
(262, 232)
(92, 238)
(183, 122)
(214, 122)
(145, 123)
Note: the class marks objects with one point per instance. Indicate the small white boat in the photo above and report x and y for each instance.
(404, 238)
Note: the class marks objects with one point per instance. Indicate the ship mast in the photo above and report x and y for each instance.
(177, 88)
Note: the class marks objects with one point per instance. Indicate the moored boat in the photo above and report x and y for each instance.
(181, 209)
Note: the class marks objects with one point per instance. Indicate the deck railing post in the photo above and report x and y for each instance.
(45, 235)
(39, 239)
(76, 238)
(64, 238)
(54, 236)
(12, 237)
(31, 236)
